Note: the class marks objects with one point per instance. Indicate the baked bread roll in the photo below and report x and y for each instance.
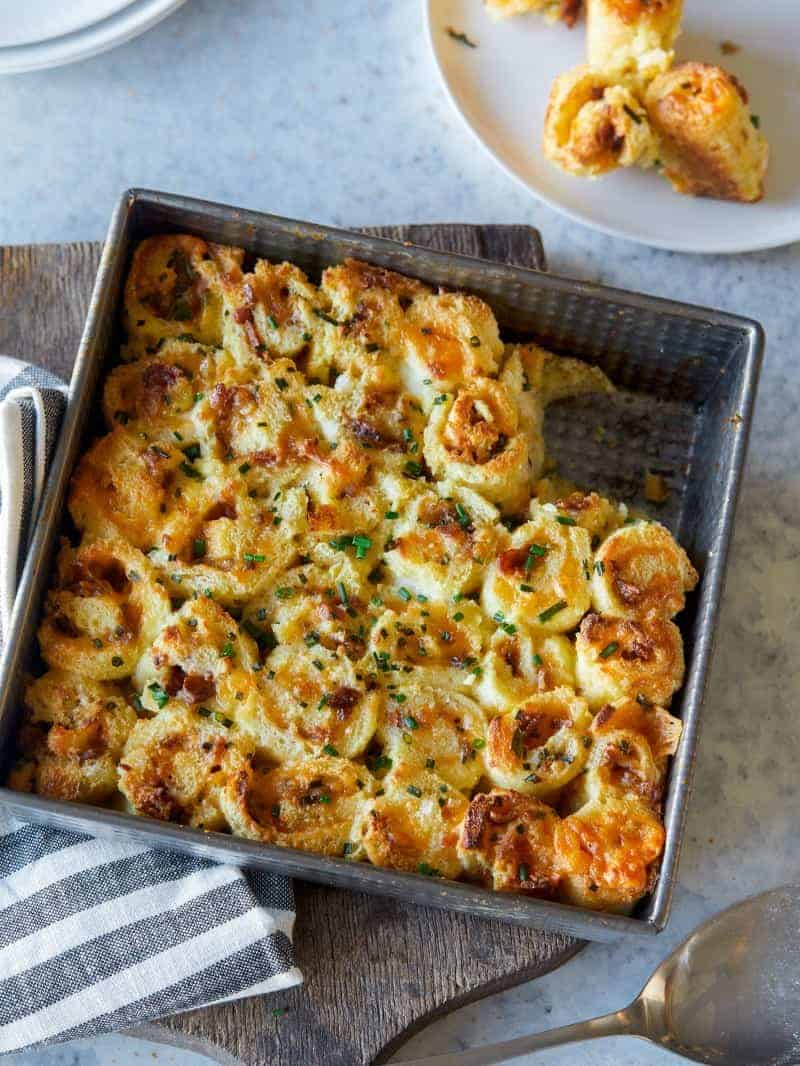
(542, 578)
(309, 702)
(523, 663)
(508, 841)
(632, 38)
(413, 824)
(640, 570)
(541, 746)
(439, 730)
(620, 657)
(607, 853)
(630, 746)
(450, 338)
(594, 125)
(175, 766)
(708, 141)
(104, 611)
(476, 438)
(174, 289)
(313, 805)
(71, 739)
(440, 547)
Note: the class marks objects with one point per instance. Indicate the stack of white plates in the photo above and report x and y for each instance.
(36, 34)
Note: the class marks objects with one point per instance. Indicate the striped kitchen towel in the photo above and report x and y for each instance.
(96, 935)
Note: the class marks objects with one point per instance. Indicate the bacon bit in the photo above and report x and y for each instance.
(509, 653)
(603, 715)
(638, 651)
(191, 688)
(366, 433)
(156, 801)
(576, 501)
(153, 460)
(475, 820)
(513, 560)
(156, 380)
(627, 592)
(729, 48)
(221, 509)
(84, 742)
(343, 699)
(536, 727)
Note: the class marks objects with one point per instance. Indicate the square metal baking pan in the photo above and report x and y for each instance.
(687, 380)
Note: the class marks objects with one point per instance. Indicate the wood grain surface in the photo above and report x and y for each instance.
(376, 970)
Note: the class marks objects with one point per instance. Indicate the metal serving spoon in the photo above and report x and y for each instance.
(729, 995)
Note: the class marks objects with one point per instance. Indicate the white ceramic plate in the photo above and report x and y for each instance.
(41, 20)
(500, 89)
(131, 18)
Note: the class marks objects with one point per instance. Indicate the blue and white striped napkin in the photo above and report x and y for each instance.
(97, 936)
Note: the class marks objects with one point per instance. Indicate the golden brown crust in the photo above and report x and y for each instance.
(508, 840)
(607, 850)
(708, 143)
(621, 657)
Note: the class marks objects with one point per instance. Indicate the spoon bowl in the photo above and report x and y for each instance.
(729, 995)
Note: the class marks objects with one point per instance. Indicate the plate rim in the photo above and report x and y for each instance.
(118, 6)
(98, 37)
(707, 248)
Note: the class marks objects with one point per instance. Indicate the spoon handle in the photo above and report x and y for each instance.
(621, 1023)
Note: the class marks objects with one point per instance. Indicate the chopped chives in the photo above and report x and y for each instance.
(160, 697)
(609, 650)
(564, 520)
(552, 611)
(412, 790)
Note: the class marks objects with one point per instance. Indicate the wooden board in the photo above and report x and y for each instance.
(376, 970)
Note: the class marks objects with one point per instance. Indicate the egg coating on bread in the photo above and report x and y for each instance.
(72, 734)
(413, 822)
(639, 570)
(314, 804)
(623, 657)
(708, 143)
(508, 840)
(323, 596)
(540, 746)
(105, 609)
